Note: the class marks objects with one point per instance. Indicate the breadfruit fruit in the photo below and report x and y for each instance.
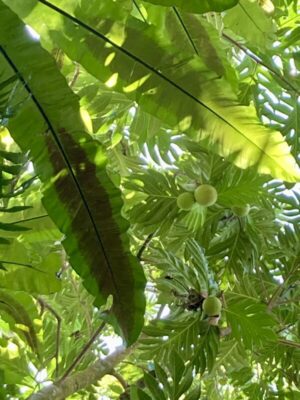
(185, 201)
(241, 211)
(206, 195)
(212, 306)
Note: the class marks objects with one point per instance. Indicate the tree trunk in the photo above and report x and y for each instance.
(80, 380)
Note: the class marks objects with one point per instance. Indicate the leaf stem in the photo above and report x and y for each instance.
(120, 378)
(281, 288)
(258, 60)
(75, 76)
(289, 343)
(85, 348)
(58, 318)
(144, 246)
(21, 265)
(29, 219)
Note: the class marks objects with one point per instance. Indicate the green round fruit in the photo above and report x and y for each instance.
(185, 201)
(212, 306)
(241, 211)
(206, 195)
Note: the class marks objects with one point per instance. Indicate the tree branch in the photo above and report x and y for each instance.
(80, 380)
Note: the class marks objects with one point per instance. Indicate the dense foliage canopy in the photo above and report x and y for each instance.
(149, 169)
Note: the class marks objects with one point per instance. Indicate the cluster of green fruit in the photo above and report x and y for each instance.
(206, 195)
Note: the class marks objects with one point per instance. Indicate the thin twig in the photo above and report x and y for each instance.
(120, 378)
(160, 311)
(82, 302)
(19, 221)
(144, 246)
(281, 288)
(278, 293)
(286, 327)
(20, 264)
(85, 348)
(75, 76)
(63, 269)
(258, 60)
(289, 343)
(58, 318)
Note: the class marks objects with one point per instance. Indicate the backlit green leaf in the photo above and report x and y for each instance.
(248, 20)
